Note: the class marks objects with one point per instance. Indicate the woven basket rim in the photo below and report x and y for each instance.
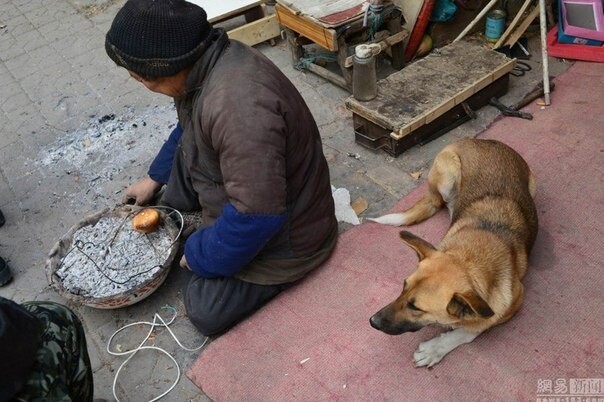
(53, 262)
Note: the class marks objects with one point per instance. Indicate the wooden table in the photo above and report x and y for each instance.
(337, 26)
(259, 26)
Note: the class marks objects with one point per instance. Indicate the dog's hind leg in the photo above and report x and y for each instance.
(532, 185)
(443, 180)
(445, 176)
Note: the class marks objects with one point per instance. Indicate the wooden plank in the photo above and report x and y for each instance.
(512, 25)
(257, 31)
(509, 66)
(329, 76)
(518, 32)
(323, 37)
(441, 109)
(464, 94)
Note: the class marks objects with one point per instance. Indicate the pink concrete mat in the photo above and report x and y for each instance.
(314, 342)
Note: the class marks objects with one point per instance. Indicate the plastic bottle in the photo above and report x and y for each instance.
(364, 78)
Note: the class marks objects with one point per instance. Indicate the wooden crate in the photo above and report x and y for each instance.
(259, 26)
(427, 98)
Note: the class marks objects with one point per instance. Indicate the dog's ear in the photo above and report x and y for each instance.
(469, 304)
(421, 247)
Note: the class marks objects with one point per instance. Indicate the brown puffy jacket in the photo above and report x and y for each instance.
(250, 139)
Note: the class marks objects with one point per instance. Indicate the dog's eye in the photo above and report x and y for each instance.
(411, 306)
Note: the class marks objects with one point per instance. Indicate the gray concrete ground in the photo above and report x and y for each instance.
(75, 131)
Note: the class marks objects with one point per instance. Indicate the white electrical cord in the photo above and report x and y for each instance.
(133, 352)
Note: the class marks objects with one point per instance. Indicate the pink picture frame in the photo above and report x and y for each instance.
(583, 18)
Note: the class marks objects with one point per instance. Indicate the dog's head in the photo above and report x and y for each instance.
(439, 292)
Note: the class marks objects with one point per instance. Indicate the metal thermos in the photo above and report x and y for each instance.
(364, 78)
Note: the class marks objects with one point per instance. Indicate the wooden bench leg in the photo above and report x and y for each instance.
(342, 56)
(297, 51)
(398, 50)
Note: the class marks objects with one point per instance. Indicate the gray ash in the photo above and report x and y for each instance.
(104, 146)
(110, 257)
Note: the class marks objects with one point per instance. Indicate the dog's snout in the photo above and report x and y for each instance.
(375, 322)
(383, 322)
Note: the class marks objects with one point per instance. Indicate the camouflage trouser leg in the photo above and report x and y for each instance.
(62, 370)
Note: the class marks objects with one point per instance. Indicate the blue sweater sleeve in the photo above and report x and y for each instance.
(226, 247)
(160, 168)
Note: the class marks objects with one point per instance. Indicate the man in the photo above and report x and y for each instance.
(44, 354)
(249, 157)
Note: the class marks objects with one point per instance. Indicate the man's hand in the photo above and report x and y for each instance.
(141, 192)
(183, 263)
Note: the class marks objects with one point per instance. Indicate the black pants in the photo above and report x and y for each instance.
(179, 193)
(215, 305)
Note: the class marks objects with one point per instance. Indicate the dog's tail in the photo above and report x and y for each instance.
(398, 219)
(420, 211)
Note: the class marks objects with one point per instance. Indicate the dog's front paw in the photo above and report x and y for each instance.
(429, 353)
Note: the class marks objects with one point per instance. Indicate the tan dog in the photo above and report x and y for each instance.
(471, 280)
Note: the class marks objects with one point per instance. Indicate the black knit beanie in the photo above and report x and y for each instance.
(158, 38)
